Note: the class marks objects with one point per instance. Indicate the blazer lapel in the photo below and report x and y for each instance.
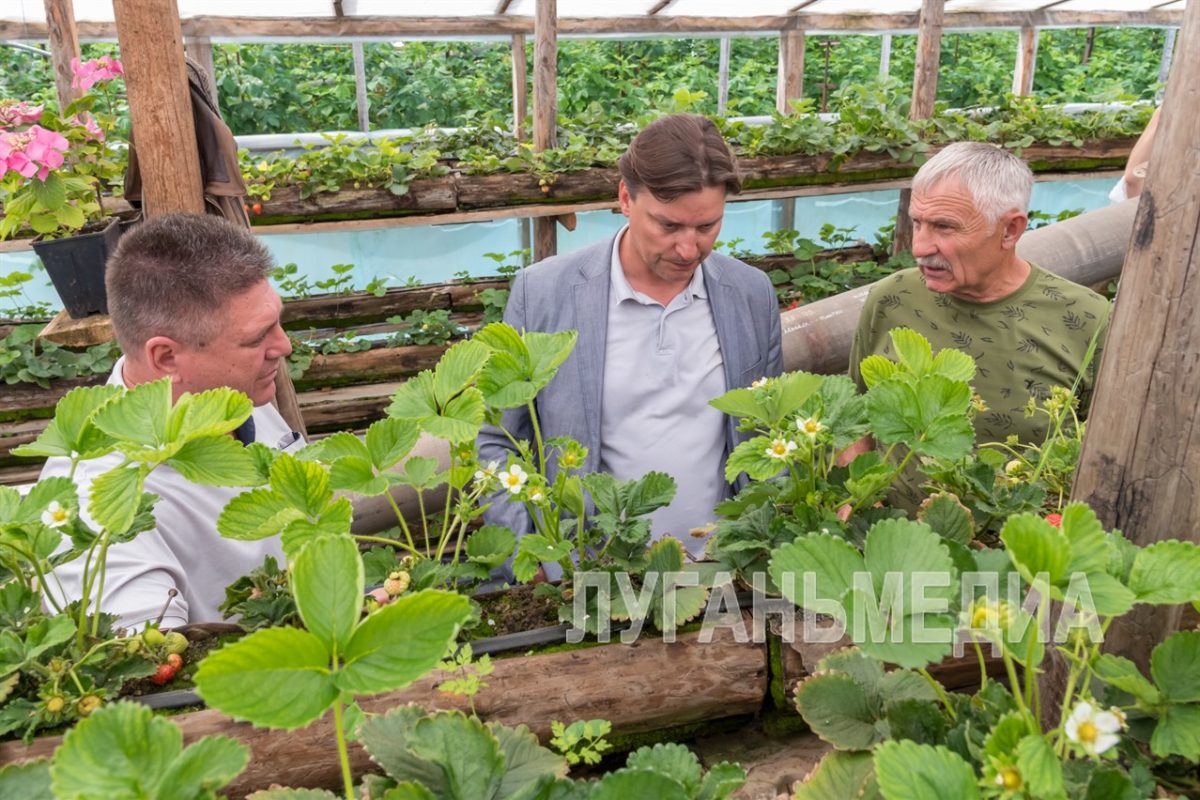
(714, 279)
(591, 314)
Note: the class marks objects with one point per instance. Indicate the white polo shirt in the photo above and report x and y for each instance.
(184, 550)
(661, 367)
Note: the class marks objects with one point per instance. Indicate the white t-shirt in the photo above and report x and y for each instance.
(184, 550)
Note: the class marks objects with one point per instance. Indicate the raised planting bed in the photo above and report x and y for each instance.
(645, 686)
(459, 192)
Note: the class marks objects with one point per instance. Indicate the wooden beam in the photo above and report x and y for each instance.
(789, 82)
(64, 46)
(1027, 45)
(200, 50)
(545, 110)
(520, 82)
(1141, 453)
(360, 87)
(924, 95)
(252, 28)
(160, 107)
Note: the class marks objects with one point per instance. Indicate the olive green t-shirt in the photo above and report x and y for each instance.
(1022, 344)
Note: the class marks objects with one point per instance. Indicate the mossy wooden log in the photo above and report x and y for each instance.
(491, 191)
(434, 194)
(345, 407)
(644, 686)
(20, 401)
(361, 307)
(370, 366)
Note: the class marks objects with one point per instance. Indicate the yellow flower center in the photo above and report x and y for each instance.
(59, 516)
(1011, 779)
(780, 448)
(513, 479)
(1087, 731)
(811, 427)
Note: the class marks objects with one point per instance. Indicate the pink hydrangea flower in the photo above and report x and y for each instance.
(92, 72)
(88, 123)
(18, 112)
(33, 152)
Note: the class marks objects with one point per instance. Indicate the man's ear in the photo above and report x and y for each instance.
(1013, 225)
(162, 354)
(624, 198)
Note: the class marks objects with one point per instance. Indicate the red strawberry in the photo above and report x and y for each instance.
(164, 673)
(1054, 519)
(175, 661)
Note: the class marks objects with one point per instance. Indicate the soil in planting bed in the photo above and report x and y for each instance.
(512, 611)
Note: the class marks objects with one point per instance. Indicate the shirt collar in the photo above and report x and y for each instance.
(622, 290)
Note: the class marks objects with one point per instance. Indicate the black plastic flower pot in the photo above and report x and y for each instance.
(75, 265)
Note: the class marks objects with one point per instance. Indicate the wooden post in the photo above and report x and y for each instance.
(545, 110)
(360, 87)
(199, 49)
(885, 54)
(1142, 453)
(790, 82)
(1026, 61)
(160, 108)
(925, 75)
(723, 76)
(520, 81)
(64, 45)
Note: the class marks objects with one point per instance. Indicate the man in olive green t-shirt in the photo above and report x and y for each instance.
(1026, 328)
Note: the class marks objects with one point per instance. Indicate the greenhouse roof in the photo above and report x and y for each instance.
(366, 19)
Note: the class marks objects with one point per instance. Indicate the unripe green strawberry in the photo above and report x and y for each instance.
(397, 583)
(153, 637)
(88, 704)
(176, 642)
(55, 704)
(133, 645)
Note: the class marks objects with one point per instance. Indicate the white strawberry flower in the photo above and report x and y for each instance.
(760, 383)
(1092, 729)
(810, 427)
(513, 478)
(55, 515)
(486, 474)
(781, 448)
(537, 495)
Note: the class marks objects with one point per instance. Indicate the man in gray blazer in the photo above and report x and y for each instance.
(664, 323)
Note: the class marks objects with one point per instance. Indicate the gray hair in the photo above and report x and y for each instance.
(172, 275)
(996, 179)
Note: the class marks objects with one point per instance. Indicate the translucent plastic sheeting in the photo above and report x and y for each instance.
(101, 10)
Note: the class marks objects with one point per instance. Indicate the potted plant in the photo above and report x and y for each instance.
(54, 168)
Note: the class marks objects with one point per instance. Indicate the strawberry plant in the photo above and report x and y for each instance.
(59, 666)
(123, 750)
(910, 594)
(287, 678)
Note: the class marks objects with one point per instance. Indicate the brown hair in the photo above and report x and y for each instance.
(172, 275)
(677, 154)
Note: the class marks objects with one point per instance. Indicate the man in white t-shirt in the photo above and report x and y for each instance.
(189, 300)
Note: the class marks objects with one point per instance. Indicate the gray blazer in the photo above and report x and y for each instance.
(570, 292)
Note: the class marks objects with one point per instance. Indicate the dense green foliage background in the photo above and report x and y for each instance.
(278, 88)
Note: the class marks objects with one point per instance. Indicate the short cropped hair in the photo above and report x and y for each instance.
(171, 276)
(678, 154)
(997, 180)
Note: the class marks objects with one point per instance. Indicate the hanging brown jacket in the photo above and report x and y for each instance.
(224, 189)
